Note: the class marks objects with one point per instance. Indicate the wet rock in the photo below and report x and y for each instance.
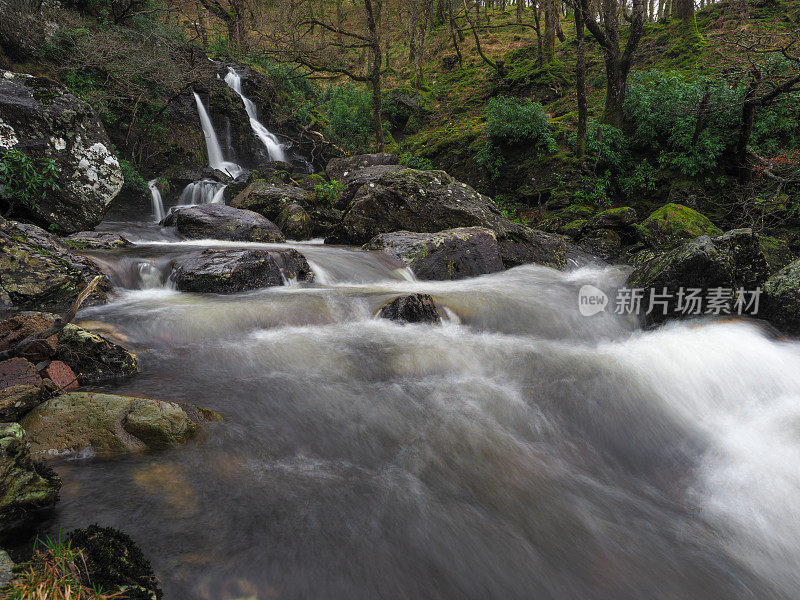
(22, 326)
(44, 120)
(268, 198)
(776, 252)
(94, 358)
(18, 371)
(605, 243)
(18, 400)
(781, 301)
(339, 168)
(730, 261)
(28, 489)
(107, 423)
(6, 568)
(296, 223)
(416, 308)
(104, 240)
(449, 254)
(115, 563)
(221, 222)
(674, 224)
(38, 271)
(615, 219)
(231, 271)
(387, 199)
(61, 375)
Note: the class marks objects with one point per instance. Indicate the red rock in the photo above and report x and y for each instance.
(18, 371)
(19, 327)
(61, 375)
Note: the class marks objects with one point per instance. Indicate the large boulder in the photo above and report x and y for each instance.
(231, 271)
(339, 168)
(781, 301)
(674, 224)
(450, 254)
(28, 489)
(94, 358)
(385, 199)
(38, 271)
(44, 120)
(730, 262)
(296, 223)
(106, 423)
(96, 240)
(221, 222)
(268, 198)
(416, 308)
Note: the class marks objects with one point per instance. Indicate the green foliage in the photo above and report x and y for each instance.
(491, 159)
(641, 181)
(606, 146)
(350, 121)
(511, 121)
(26, 180)
(328, 192)
(415, 161)
(133, 179)
(595, 191)
(510, 207)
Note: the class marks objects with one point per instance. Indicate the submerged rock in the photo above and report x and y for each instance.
(114, 563)
(450, 254)
(45, 120)
(386, 199)
(416, 308)
(38, 271)
(231, 271)
(106, 423)
(96, 240)
(339, 168)
(221, 222)
(674, 224)
(28, 489)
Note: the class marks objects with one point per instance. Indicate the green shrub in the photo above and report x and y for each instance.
(642, 180)
(415, 161)
(26, 180)
(595, 191)
(491, 159)
(133, 179)
(511, 121)
(328, 192)
(606, 146)
(349, 114)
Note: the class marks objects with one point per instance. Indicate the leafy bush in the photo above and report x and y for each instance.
(349, 113)
(491, 159)
(512, 121)
(133, 179)
(26, 180)
(328, 192)
(415, 161)
(642, 180)
(595, 191)
(607, 146)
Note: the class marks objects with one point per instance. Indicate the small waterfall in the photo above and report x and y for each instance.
(205, 191)
(215, 157)
(158, 203)
(271, 143)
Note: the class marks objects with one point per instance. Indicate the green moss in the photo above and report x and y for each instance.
(674, 223)
(776, 252)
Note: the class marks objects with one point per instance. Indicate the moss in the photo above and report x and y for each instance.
(776, 252)
(674, 223)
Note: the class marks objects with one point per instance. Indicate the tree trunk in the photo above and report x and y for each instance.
(580, 82)
(519, 11)
(375, 73)
(616, 80)
(339, 22)
(550, 17)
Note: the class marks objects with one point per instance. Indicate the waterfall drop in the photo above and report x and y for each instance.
(215, 157)
(205, 191)
(270, 141)
(158, 203)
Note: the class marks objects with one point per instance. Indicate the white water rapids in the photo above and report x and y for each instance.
(519, 450)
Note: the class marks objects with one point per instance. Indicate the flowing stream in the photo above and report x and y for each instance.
(518, 450)
(215, 156)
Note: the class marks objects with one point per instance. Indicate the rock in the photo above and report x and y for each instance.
(221, 222)
(44, 120)
(730, 261)
(267, 198)
(339, 168)
(94, 358)
(18, 400)
(781, 300)
(28, 489)
(387, 199)
(6, 569)
(673, 224)
(296, 223)
(615, 219)
(449, 254)
(605, 243)
(38, 271)
(61, 375)
(107, 424)
(24, 325)
(776, 252)
(114, 563)
(416, 308)
(96, 240)
(231, 271)
(18, 371)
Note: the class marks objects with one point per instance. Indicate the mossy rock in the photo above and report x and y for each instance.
(776, 252)
(673, 224)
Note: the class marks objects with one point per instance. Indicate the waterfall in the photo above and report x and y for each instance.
(158, 203)
(205, 191)
(271, 143)
(215, 158)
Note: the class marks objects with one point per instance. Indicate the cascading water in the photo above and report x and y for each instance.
(270, 141)
(158, 203)
(205, 191)
(215, 157)
(519, 450)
